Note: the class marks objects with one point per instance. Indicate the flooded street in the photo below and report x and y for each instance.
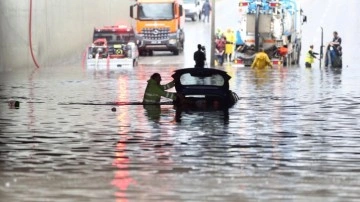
(292, 136)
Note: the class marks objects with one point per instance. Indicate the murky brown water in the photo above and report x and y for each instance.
(293, 136)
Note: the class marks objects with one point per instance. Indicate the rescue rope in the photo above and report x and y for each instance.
(30, 36)
(117, 103)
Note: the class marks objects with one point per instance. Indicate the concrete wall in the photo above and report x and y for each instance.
(61, 29)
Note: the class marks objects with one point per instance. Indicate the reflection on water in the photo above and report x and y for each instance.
(122, 178)
(153, 112)
(260, 76)
(293, 136)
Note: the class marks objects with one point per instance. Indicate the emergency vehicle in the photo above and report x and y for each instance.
(113, 46)
(270, 25)
(159, 25)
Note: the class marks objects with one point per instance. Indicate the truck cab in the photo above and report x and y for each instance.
(159, 25)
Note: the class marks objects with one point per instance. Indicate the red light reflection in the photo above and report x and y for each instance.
(122, 179)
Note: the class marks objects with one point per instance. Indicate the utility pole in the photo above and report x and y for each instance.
(212, 39)
(321, 47)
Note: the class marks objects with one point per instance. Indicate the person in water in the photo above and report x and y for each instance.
(154, 90)
(261, 60)
(310, 56)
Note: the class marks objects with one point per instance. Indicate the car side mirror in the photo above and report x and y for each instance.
(132, 11)
(180, 10)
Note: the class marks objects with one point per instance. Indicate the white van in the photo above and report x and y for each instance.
(193, 9)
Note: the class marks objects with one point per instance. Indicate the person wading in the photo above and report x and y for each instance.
(310, 56)
(261, 60)
(154, 90)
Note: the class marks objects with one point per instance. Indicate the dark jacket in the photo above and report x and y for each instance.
(199, 57)
(206, 8)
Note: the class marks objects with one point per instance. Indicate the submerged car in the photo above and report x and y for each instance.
(205, 88)
(120, 50)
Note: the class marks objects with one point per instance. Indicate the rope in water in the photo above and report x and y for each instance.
(116, 103)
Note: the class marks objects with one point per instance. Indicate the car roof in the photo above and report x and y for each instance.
(201, 72)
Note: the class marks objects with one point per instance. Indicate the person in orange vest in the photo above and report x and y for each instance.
(261, 60)
(283, 51)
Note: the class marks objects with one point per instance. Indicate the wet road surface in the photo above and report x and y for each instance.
(293, 136)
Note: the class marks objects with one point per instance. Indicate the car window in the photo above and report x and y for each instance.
(214, 80)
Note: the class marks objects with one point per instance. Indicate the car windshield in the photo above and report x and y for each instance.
(213, 80)
(114, 37)
(189, 1)
(156, 11)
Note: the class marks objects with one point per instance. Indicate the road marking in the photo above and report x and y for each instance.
(157, 62)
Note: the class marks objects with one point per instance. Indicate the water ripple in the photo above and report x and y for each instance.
(288, 140)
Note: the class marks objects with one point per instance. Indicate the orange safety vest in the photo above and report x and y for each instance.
(282, 51)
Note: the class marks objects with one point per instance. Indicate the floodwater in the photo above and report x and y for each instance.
(293, 136)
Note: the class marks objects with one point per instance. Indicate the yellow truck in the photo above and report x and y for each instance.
(159, 25)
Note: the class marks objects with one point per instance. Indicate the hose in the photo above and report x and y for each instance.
(30, 36)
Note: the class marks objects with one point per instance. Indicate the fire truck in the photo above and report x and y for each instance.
(270, 25)
(113, 46)
(159, 25)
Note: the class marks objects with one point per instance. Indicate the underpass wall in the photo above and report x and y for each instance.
(61, 29)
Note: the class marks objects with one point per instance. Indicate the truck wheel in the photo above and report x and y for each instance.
(176, 52)
(297, 58)
(151, 53)
(298, 55)
(293, 58)
(142, 53)
(194, 18)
